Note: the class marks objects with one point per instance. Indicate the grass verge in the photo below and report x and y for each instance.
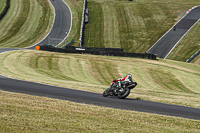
(27, 22)
(162, 81)
(2, 5)
(25, 113)
(76, 7)
(95, 30)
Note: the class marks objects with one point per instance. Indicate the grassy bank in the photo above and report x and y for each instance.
(2, 5)
(26, 23)
(25, 113)
(163, 81)
(135, 26)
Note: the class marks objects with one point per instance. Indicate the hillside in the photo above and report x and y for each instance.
(163, 80)
(135, 26)
(26, 23)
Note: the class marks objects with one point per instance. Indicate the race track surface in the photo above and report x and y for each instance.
(6, 49)
(62, 24)
(166, 44)
(13, 85)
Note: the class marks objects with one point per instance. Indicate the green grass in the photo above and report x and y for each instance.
(162, 81)
(2, 5)
(135, 26)
(95, 32)
(26, 23)
(25, 113)
(76, 7)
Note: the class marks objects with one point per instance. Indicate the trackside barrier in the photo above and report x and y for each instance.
(5, 9)
(193, 56)
(98, 51)
(83, 22)
(94, 49)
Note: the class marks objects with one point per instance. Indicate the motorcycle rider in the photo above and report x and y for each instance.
(128, 77)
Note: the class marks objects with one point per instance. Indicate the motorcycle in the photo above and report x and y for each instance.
(120, 89)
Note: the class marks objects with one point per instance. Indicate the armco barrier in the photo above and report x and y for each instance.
(5, 9)
(81, 39)
(98, 51)
(193, 56)
(94, 49)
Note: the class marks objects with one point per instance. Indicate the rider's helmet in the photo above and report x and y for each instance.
(129, 77)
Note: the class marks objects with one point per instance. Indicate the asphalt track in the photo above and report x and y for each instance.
(14, 85)
(61, 26)
(168, 41)
(7, 49)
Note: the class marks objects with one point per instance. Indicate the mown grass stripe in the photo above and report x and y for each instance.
(168, 81)
(111, 35)
(35, 24)
(19, 22)
(10, 17)
(94, 36)
(25, 31)
(2, 5)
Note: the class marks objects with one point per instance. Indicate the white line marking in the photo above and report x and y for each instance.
(51, 27)
(70, 25)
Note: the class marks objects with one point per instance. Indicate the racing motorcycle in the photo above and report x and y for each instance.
(121, 89)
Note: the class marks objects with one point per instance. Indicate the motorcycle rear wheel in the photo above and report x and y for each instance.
(123, 94)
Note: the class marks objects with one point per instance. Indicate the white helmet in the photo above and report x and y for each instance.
(129, 75)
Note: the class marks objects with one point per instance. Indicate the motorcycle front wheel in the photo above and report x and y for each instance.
(123, 93)
(106, 93)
